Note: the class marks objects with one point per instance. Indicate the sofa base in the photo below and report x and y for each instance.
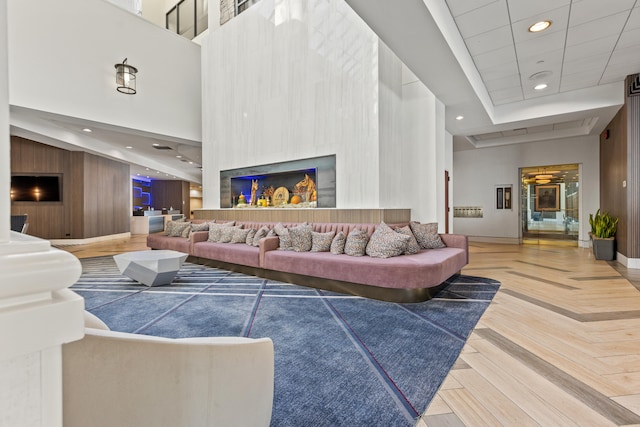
(397, 295)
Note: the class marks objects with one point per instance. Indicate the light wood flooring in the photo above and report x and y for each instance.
(558, 346)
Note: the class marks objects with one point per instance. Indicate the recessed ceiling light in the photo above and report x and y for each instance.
(190, 163)
(541, 86)
(459, 117)
(156, 145)
(539, 26)
(129, 147)
(178, 156)
(87, 130)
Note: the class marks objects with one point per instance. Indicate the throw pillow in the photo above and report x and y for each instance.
(240, 235)
(227, 233)
(177, 228)
(283, 234)
(250, 235)
(186, 231)
(300, 237)
(337, 244)
(215, 230)
(200, 227)
(356, 243)
(321, 242)
(427, 235)
(262, 232)
(386, 243)
(168, 229)
(412, 247)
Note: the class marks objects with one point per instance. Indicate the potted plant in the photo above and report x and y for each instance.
(603, 232)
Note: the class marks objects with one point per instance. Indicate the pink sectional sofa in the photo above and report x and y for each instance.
(404, 278)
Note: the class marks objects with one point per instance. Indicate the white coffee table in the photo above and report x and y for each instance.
(152, 268)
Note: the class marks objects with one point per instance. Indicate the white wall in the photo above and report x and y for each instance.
(63, 62)
(478, 172)
(423, 139)
(280, 85)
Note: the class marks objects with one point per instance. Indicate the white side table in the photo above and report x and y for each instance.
(152, 268)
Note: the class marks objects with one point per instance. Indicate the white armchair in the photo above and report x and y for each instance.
(120, 379)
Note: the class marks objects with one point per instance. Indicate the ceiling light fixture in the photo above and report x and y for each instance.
(543, 181)
(126, 78)
(156, 145)
(544, 176)
(87, 130)
(539, 26)
(541, 86)
(459, 117)
(129, 147)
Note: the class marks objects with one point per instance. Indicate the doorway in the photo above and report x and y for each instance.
(550, 208)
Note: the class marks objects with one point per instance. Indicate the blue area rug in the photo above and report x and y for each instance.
(339, 360)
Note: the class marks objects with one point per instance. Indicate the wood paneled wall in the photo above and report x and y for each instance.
(96, 192)
(165, 194)
(613, 171)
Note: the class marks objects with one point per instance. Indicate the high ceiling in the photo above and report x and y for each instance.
(476, 56)
(479, 58)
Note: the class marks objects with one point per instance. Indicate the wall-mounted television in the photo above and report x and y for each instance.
(36, 188)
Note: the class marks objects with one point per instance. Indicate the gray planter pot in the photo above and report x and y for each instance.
(604, 249)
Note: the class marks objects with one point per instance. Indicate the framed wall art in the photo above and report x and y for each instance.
(547, 197)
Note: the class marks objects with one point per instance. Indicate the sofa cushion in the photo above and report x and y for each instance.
(413, 247)
(215, 230)
(199, 227)
(386, 243)
(227, 233)
(300, 237)
(427, 235)
(250, 235)
(321, 242)
(337, 244)
(240, 235)
(356, 243)
(262, 232)
(177, 229)
(283, 234)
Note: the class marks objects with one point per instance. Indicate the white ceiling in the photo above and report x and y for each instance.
(476, 56)
(479, 58)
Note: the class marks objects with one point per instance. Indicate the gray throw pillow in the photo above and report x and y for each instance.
(321, 242)
(356, 243)
(262, 232)
(300, 237)
(337, 244)
(250, 235)
(412, 247)
(227, 233)
(427, 235)
(283, 234)
(176, 229)
(240, 235)
(386, 243)
(215, 230)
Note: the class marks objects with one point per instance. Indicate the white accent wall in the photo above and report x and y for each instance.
(61, 60)
(295, 79)
(478, 172)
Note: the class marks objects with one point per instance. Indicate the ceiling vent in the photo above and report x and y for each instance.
(162, 147)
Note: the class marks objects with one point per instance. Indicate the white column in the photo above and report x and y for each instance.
(37, 313)
(5, 141)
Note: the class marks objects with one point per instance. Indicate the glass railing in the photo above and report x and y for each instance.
(188, 18)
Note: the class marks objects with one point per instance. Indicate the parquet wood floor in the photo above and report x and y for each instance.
(558, 346)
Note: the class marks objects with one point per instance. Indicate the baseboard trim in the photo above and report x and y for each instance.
(62, 242)
(632, 263)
